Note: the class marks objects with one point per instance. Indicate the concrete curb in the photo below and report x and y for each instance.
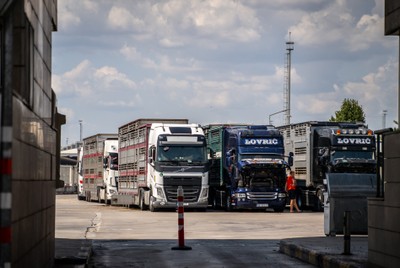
(82, 258)
(320, 259)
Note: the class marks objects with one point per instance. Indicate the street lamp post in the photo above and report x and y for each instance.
(80, 131)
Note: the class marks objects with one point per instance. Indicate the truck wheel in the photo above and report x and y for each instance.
(319, 201)
(228, 203)
(98, 195)
(214, 203)
(142, 206)
(299, 201)
(151, 203)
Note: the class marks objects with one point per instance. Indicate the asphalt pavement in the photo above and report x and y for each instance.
(318, 251)
(72, 252)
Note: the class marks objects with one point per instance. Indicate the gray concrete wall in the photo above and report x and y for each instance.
(27, 27)
(392, 23)
(384, 213)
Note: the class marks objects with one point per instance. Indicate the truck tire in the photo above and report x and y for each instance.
(319, 201)
(151, 202)
(98, 195)
(142, 205)
(228, 206)
(214, 203)
(299, 200)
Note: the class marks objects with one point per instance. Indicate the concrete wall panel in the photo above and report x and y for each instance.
(392, 13)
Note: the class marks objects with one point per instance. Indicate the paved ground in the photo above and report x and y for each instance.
(319, 251)
(74, 246)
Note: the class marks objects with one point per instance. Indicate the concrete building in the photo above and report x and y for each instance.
(30, 134)
(68, 170)
(384, 211)
(69, 175)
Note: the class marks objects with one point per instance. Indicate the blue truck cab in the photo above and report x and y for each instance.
(248, 170)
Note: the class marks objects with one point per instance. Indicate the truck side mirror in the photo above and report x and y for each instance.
(152, 155)
(290, 159)
(105, 162)
(212, 153)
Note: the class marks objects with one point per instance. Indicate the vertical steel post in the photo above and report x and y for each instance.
(346, 232)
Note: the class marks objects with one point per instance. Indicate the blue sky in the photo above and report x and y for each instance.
(219, 61)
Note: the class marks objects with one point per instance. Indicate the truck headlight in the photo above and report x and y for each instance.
(204, 193)
(160, 192)
(281, 195)
(112, 191)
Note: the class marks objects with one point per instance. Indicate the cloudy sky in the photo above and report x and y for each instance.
(219, 61)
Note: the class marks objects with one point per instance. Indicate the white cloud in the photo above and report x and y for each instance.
(111, 75)
(130, 52)
(121, 18)
(166, 42)
(374, 92)
(220, 61)
(71, 13)
(337, 24)
(171, 21)
(79, 71)
(86, 81)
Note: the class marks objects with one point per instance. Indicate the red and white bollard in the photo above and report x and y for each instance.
(181, 223)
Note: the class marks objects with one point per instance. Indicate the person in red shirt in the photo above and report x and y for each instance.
(291, 189)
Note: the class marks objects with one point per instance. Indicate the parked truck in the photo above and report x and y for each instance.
(248, 170)
(156, 157)
(80, 192)
(100, 167)
(323, 149)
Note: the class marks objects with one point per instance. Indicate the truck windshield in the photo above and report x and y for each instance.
(352, 155)
(182, 153)
(114, 161)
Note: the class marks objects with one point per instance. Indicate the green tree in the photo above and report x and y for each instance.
(350, 111)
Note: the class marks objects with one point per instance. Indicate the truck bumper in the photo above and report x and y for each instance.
(278, 204)
(160, 204)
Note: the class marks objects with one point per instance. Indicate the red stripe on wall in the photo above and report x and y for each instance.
(5, 235)
(5, 166)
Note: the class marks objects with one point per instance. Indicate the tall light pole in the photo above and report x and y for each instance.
(384, 112)
(80, 131)
(286, 107)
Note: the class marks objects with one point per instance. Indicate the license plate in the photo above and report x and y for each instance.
(262, 205)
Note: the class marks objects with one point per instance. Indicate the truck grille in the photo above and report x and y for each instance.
(262, 196)
(191, 188)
